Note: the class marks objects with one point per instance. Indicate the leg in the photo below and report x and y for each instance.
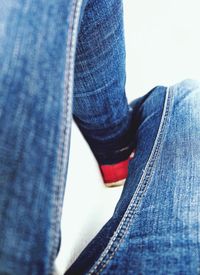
(35, 105)
(155, 227)
(100, 105)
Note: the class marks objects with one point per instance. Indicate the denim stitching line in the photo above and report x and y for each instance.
(132, 206)
(63, 149)
(142, 187)
(145, 185)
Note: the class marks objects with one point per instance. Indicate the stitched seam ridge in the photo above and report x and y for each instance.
(124, 225)
(63, 150)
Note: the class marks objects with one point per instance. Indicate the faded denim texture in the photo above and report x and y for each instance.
(100, 105)
(155, 227)
(37, 46)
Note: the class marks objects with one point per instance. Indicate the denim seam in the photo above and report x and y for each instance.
(124, 225)
(63, 150)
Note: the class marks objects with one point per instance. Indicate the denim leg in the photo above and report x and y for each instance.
(163, 235)
(157, 228)
(147, 115)
(100, 105)
(37, 45)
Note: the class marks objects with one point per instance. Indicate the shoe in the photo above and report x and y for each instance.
(113, 157)
(115, 174)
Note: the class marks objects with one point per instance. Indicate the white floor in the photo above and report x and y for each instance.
(163, 42)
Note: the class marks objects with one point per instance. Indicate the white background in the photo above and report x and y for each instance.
(163, 44)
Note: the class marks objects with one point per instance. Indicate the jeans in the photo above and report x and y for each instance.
(37, 49)
(155, 224)
(100, 106)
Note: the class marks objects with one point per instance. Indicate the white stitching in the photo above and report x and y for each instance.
(124, 224)
(63, 150)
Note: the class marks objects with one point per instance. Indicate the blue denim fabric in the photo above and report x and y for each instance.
(37, 50)
(155, 226)
(100, 105)
(37, 46)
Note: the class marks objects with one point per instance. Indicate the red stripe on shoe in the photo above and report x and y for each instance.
(115, 172)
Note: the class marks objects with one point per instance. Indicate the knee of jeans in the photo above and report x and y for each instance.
(186, 96)
(187, 87)
(189, 84)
